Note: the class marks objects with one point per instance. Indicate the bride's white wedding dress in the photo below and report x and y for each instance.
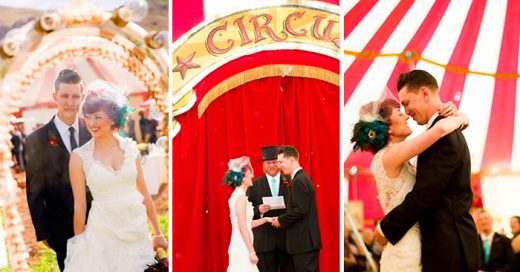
(116, 236)
(238, 252)
(406, 254)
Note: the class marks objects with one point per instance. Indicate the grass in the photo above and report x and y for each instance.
(46, 260)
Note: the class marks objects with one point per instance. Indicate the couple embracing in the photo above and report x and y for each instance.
(427, 221)
(85, 186)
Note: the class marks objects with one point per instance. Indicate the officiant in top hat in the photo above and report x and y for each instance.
(269, 242)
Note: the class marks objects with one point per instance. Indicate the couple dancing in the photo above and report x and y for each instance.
(283, 241)
(427, 219)
(85, 186)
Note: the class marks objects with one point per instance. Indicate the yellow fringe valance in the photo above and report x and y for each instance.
(263, 72)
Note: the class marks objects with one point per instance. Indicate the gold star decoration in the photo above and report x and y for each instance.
(183, 64)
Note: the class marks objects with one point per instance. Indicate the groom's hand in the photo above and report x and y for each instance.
(380, 239)
(263, 208)
(276, 223)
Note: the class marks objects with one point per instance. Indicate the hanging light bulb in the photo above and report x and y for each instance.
(138, 9)
(48, 22)
(12, 43)
(156, 39)
(133, 10)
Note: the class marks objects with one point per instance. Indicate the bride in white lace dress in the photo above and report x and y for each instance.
(242, 255)
(383, 129)
(116, 236)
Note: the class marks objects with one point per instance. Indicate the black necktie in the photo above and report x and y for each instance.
(73, 143)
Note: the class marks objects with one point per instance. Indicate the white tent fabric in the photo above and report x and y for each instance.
(475, 36)
(90, 69)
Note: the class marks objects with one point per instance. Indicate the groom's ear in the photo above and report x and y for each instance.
(425, 92)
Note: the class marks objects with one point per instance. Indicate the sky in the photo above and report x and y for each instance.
(47, 4)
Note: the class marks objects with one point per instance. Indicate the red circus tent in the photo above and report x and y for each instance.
(471, 47)
(269, 110)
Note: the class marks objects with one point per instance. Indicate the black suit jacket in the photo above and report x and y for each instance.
(49, 193)
(440, 201)
(301, 218)
(501, 255)
(266, 237)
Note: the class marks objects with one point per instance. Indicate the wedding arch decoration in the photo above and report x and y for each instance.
(78, 29)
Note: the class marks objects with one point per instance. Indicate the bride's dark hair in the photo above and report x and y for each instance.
(372, 135)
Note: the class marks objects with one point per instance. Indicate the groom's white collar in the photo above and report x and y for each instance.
(430, 122)
(295, 171)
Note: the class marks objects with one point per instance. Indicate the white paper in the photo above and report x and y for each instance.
(274, 202)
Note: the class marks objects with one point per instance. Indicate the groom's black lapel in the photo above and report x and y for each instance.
(54, 133)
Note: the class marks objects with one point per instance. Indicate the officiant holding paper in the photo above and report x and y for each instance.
(269, 197)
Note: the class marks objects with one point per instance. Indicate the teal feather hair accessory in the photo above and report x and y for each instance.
(233, 177)
(124, 112)
(370, 136)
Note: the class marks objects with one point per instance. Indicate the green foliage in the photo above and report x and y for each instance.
(46, 261)
(163, 225)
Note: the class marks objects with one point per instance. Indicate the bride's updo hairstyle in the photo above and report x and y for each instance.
(237, 169)
(102, 95)
(371, 131)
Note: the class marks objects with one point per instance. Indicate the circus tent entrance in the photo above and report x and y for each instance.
(270, 92)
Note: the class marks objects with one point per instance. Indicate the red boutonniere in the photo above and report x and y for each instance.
(286, 179)
(53, 139)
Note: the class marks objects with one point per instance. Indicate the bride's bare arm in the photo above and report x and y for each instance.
(261, 221)
(242, 225)
(158, 237)
(77, 181)
(399, 153)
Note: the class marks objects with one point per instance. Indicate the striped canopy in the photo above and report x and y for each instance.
(90, 69)
(470, 47)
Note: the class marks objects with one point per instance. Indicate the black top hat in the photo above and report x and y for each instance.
(270, 152)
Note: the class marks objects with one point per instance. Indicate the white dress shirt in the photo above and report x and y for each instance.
(430, 122)
(63, 129)
(295, 171)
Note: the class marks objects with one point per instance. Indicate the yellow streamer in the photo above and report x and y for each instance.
(412, 56)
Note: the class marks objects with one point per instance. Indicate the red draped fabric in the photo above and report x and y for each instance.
(272, 111)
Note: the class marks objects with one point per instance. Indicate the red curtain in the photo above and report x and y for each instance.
(272, 111)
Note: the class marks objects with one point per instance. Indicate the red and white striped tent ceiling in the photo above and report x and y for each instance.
(187, 14)
(471, 47)
(90, 69)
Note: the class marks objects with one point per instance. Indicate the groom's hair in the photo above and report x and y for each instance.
(416, 79)
(68, 76)
(289, 151)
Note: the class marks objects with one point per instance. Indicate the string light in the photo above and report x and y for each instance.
(411, 55)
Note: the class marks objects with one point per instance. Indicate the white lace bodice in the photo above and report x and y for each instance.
(405, 255)
(104, 182)
(392, 191)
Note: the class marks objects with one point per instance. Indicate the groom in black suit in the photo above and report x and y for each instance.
(303, 239)
(49, 193)
(269, 242)
(441, 197)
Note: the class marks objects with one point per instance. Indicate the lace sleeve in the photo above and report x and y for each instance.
(85, 152)
(130, 148)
